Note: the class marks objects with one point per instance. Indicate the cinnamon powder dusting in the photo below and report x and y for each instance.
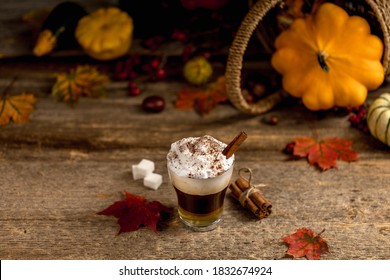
(198, 157)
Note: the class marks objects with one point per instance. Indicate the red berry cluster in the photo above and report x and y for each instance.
(133, 89)
(358, 118)
(154, 68)
(188, 47)
(133, 66)
(128, 69)
(179, 35)
(153, 43)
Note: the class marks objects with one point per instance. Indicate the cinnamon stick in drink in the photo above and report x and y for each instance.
(234, 144)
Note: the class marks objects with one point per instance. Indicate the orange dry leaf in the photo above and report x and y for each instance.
(202, 100)
(17, 108)
(187, 97)
(324, 153)
(303, 243)
(82, 81)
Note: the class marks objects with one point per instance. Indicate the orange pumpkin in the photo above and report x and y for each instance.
(329, 59)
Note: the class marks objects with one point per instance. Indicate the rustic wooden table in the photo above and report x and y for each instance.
(65, 165)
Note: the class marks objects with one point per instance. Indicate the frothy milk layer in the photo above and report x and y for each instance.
(201, 186)
(196, 165)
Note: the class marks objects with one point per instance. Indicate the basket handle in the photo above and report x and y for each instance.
(381, 9)
(235, 58)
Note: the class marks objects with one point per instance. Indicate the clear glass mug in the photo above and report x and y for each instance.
(200, 201)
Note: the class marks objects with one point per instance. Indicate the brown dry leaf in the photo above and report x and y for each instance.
(82, 81)
(16, 108)
(203, 100)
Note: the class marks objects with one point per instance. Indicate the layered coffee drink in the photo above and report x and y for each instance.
(200, 175)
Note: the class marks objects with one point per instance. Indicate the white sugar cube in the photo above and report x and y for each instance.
(146, 166)
(153, 181)
(143, 168)
(136, 172)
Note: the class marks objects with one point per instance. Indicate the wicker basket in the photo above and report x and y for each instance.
(380, 9)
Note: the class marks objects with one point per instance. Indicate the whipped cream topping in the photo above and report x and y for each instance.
(198, 157)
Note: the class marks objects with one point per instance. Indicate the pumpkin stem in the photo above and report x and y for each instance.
(321, 56)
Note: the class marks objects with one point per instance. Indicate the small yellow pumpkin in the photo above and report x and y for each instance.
(106, 33)
(198, 70)
(378, 118)
(329, 59)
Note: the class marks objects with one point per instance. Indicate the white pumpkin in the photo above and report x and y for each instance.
(378, 118)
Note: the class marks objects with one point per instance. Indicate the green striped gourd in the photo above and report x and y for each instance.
(378, 118)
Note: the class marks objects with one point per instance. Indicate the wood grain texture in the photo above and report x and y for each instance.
(67, 164)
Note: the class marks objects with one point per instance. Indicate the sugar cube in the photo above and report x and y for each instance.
(136, 172)
(153, 181)
(143, 168)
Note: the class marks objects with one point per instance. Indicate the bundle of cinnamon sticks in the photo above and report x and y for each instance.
(247, 194)
(250, 197)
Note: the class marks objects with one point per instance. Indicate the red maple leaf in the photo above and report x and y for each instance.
(135, 211)
(303, 243)
(325, 152)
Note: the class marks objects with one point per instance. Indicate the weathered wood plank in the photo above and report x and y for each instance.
(119, 122)
(67, 164)
(55, 201)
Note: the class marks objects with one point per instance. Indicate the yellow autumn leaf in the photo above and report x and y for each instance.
(84, 80)
(18, 108)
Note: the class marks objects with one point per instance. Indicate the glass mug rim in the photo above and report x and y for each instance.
(191, 183)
